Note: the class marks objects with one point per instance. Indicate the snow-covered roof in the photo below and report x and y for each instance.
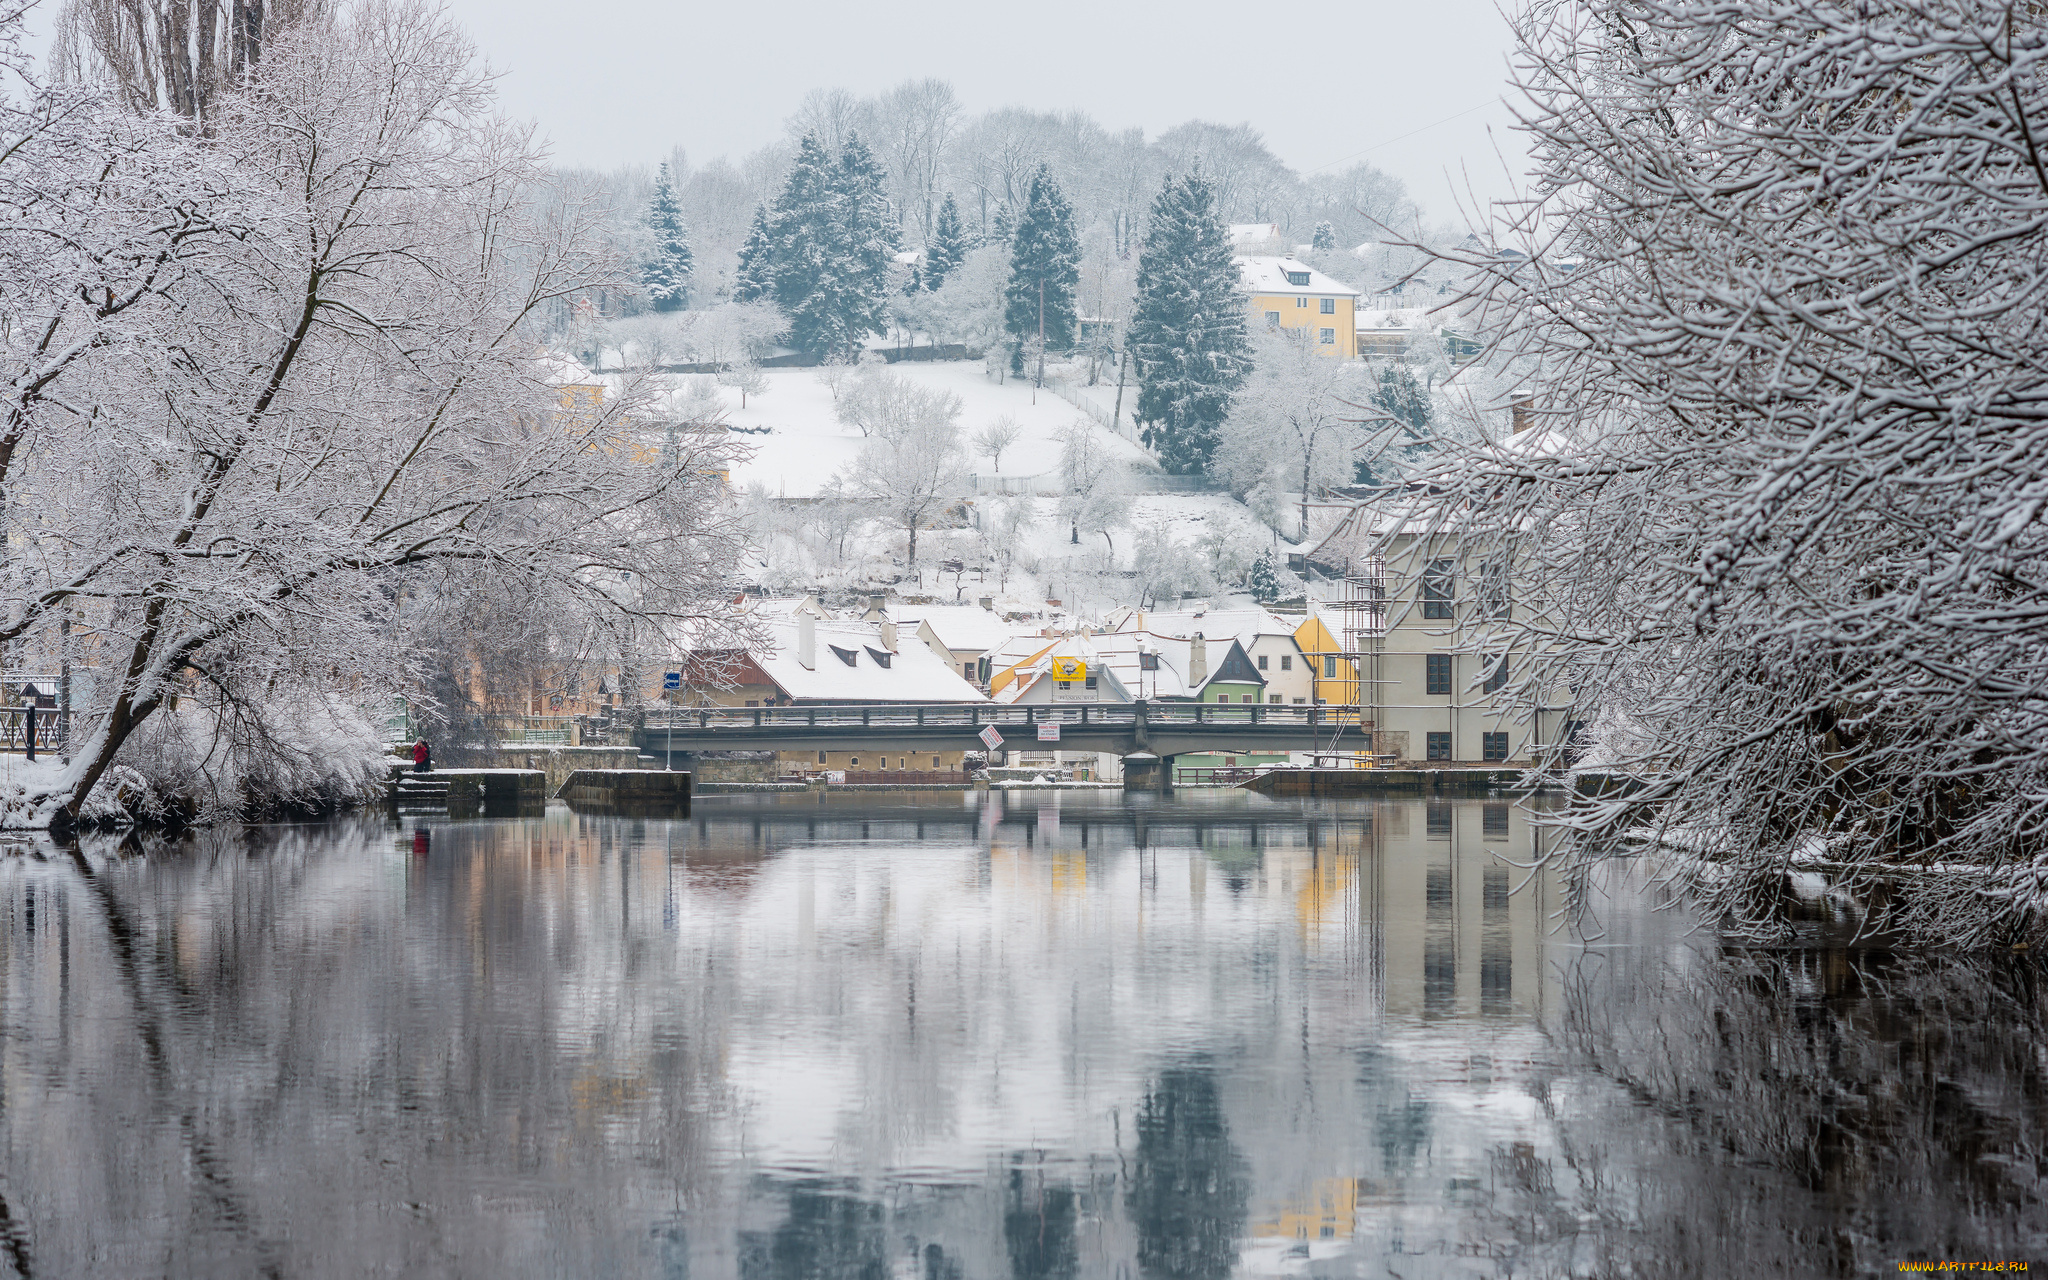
(785, 607)
(1242, 625)
(847, 666)
(563, 370)
(1119, 652)
(964, 628)
(1270, 275)
(1253, 232)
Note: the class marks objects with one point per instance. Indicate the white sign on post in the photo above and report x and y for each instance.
(990, 737)
(1048, 733)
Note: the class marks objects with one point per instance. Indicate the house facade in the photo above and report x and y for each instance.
(1287, 293)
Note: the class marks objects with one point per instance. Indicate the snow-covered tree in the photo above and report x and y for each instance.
(1264, 579)
(947, 247)
(1292, 426)
(1167, 569)
(1399, 425)
(754, 280)
(1095, 484)
(1778, 524)
(1188, 331)
(666, 273)
(998, 435)
(1325, 238)
(968, 308)
(829, 242)
(1045, 270)
(912, 468)
(274, 402)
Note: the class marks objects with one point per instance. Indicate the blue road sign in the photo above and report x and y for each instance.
(672, 680)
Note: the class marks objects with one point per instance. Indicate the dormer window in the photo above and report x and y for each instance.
(847, 656)
(881, 657)
(1148, 662)
(1297, 277)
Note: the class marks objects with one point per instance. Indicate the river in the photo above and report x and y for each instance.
(937, 1036)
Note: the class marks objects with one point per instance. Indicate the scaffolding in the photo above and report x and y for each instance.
(1361, 626)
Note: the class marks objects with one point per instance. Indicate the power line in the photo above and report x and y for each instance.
(1411, 133)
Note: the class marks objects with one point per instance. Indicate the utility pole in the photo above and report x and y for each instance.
(1041, 333)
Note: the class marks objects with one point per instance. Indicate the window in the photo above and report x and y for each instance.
(1439, 746)
(935, 762)
(1300, 701)
(853, 762)
(1089, 682)
(1222, 697)
(1439, 585)
(1498, 676)
(847, 656)
(1066, 684)
(1437, 673)
(1272, 319)
(881, 657)
(1300, 303)
(1297, 277)
(1262, 662)
(1328, 337)
(967, 670)
(1493, 746)
(1493, 825)
(1329, 667)
(821, 757)
(1329, 306)
(1148, 662)
(753, 702)
(1287, 662)
(1272, 699)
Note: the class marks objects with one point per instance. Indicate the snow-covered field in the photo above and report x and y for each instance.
(806, 443)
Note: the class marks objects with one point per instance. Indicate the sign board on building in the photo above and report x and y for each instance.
(672, 680)
(1069, 669)
(990, 738)
(1048, 733)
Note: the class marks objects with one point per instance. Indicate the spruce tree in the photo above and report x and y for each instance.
(830, 241)
(1187, 331)
(666, 275)
(948, 247)
(1045, 267)
(1264, 578)
(755, 279)
(1324, 239)
(867, 237)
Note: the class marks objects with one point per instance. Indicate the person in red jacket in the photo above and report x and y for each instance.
(422, 759)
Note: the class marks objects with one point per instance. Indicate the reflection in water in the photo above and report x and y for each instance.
(934, 1037)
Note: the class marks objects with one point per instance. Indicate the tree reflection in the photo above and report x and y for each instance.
(830, 1234)
(1038, 1228)
(1189, 1184)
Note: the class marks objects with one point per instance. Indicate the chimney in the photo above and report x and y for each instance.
(1523, 411)
(888, 635)
(807, 642)
(1198, 662)
(875, 606)
(988, 603)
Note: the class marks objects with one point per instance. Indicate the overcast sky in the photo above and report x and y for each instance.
(1416, 89)
(617, 81)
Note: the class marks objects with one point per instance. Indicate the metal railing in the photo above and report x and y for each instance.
(50, 729)
(974, 715)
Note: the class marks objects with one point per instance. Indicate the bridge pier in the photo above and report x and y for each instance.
(1147, 772)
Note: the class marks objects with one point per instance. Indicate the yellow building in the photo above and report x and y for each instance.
(1336, 676)
(1290, 294)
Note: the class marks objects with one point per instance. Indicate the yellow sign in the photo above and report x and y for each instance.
(1069, 669)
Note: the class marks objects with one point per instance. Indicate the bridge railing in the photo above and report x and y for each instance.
(974, 715)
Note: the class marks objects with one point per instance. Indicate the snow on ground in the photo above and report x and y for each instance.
(806, 443)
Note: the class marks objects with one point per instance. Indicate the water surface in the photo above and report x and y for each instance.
(946, 1037)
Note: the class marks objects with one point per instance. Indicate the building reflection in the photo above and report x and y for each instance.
(1033, 1036)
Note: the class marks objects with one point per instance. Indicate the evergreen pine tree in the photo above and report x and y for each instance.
(666, 275)
(755, 280)
(830, 242)
(1400, 397)
(1324, 239)
(1264, 579)
(1044, 254)
(868, 238)
(948, 245)
(1187, 331)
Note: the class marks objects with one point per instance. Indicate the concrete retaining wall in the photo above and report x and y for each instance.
(653, 793)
